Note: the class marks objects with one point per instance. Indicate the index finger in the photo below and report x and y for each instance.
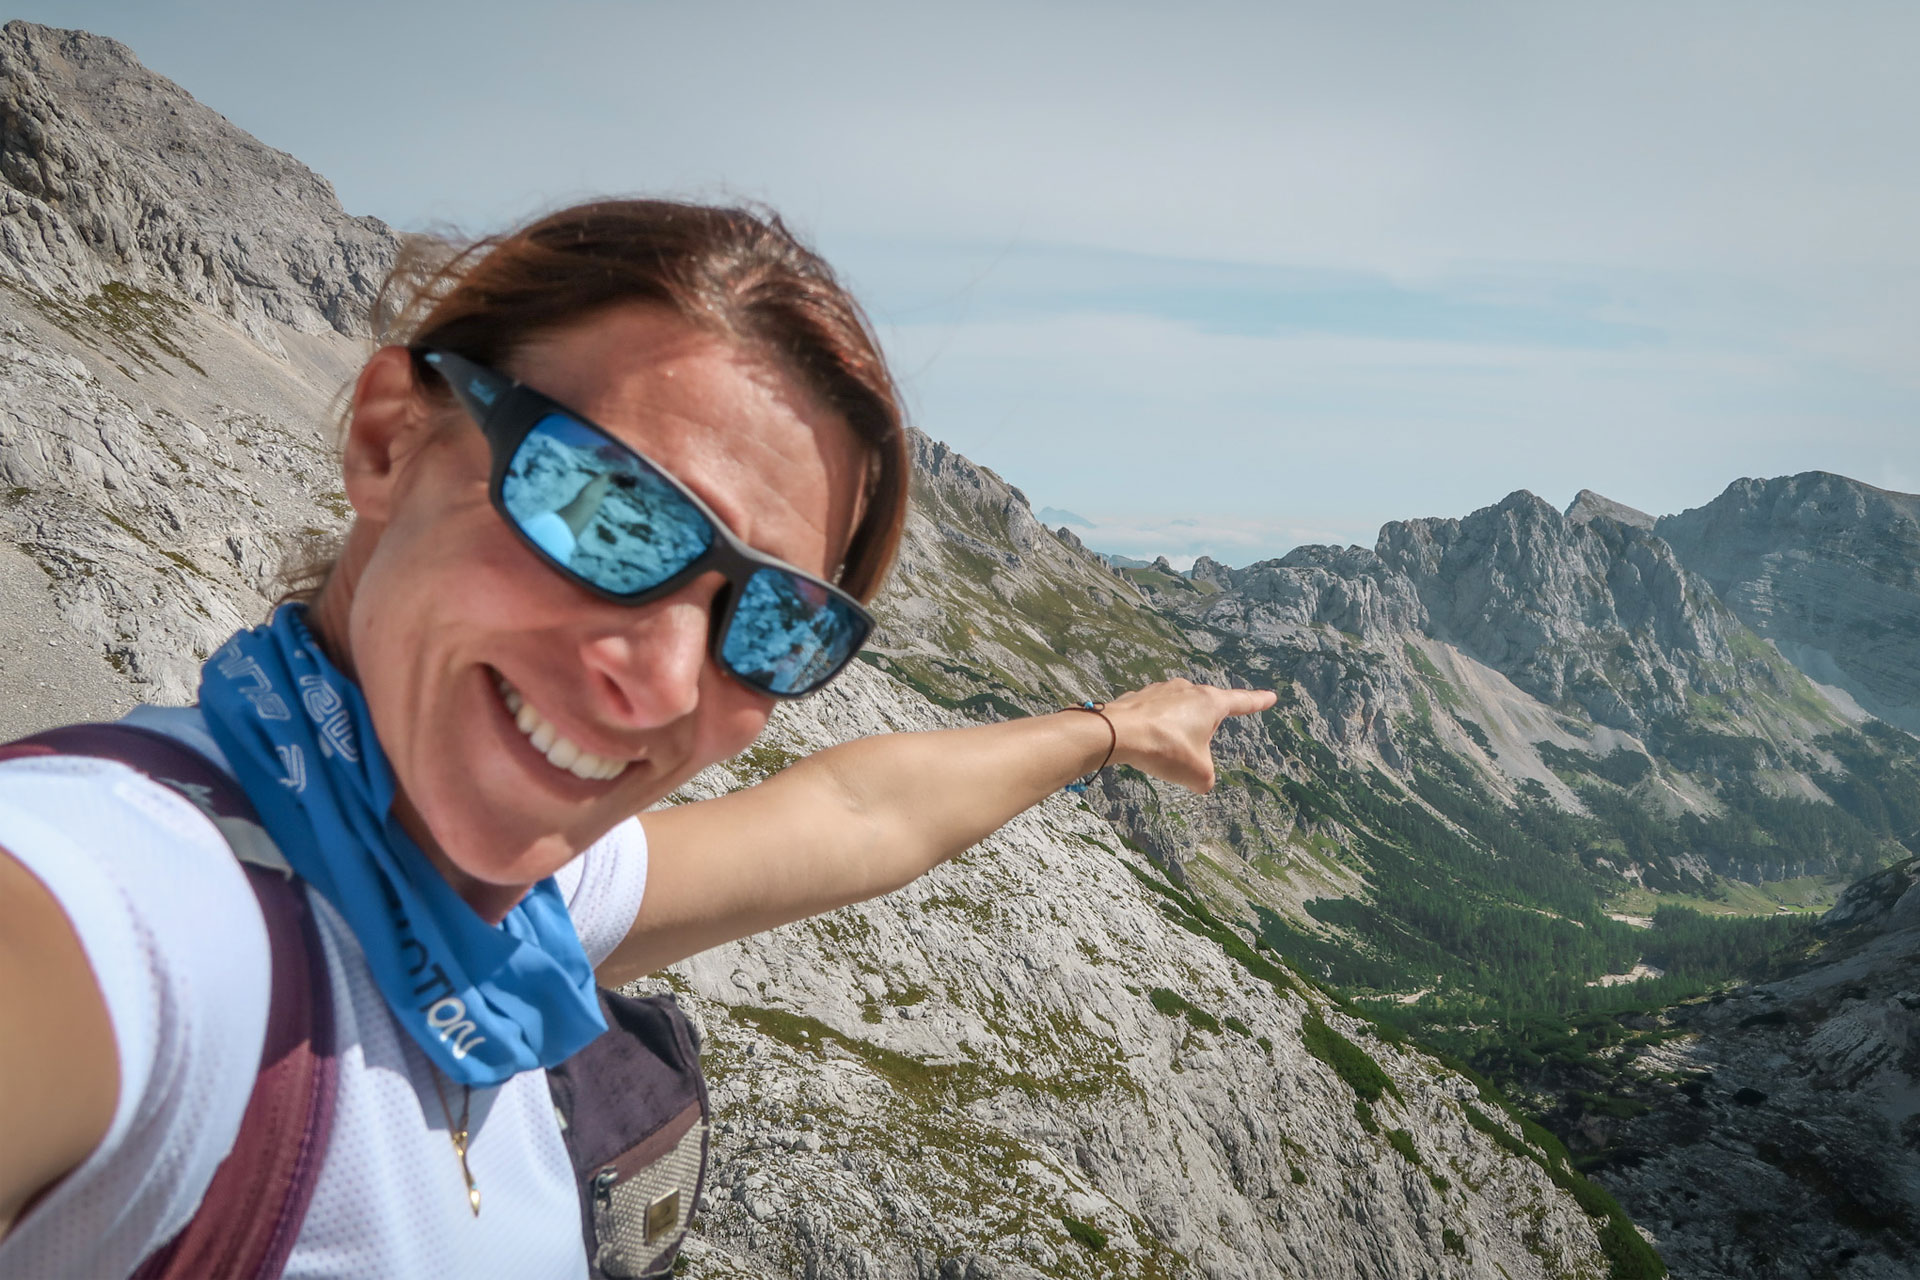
(1245, 702)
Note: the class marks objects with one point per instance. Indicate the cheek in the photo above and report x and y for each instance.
(736, 717)
(741, 729)
(437, 592)
(458, 561)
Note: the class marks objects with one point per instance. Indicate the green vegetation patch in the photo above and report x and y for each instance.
(929, 1083)
(1160, 580)
(1193, 916)
(1479, 735)
(1084, 1233)
(1175, 1005)
(1498, 1132)
(1349, 1061)
(138, 321)
(764, 759)
(1622, 767)
(1402, 1141)
(1442, 689)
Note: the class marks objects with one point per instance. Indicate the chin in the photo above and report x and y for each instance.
(506, 833)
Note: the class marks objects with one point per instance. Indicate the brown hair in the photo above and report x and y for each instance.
(733, 271)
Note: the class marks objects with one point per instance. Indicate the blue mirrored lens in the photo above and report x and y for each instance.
(788, 634)
(599, 509)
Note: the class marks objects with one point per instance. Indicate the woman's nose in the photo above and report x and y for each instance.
(647, 673)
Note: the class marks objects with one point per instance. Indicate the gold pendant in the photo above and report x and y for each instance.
(473, 1188)
(459, 1139)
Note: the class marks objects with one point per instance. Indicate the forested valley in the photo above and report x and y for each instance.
(1485, 931)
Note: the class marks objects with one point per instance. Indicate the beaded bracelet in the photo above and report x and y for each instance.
(1113, 741)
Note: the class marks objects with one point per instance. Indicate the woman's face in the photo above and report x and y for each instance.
(448, 609)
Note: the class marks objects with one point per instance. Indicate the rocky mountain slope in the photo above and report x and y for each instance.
(1780, 1135)
(1829, 570)
(1559, 692)
(1046, 1059)
(178, 304)
(117, 180)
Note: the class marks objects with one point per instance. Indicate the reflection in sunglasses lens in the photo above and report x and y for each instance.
(600, 510)
(788, 636)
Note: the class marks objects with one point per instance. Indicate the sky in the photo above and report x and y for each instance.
(1215, 278)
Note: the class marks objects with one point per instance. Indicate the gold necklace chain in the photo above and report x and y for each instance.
(459, 1136)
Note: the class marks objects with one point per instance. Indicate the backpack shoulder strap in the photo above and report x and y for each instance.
(252, 1211)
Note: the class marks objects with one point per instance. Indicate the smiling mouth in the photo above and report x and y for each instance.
(560, 751)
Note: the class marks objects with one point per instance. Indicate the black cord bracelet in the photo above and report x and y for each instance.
(1113, 741)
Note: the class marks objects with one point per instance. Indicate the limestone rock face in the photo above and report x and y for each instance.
(1588, 505)
(153, 504)
(1349, 589)
(1596, 613)
(1829, 570)
(1790, 1146)
(176, 315)
(110, 175)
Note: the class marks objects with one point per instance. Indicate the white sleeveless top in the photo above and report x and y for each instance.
(174, 936)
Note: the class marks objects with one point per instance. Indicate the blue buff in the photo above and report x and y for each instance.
(483, 1002)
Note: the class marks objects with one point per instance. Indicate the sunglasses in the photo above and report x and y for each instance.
(610, 520)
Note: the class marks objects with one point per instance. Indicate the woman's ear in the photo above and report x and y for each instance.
(387, 423)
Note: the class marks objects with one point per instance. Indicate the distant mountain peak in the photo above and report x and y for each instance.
(1828, 569)
(1588, 505)
(1522, 500)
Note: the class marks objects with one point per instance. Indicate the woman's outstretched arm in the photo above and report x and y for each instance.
(868, 816)
(59, 1069)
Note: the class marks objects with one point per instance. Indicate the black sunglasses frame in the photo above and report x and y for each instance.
(506, 411)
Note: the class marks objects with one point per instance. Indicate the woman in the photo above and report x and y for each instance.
(457, 734)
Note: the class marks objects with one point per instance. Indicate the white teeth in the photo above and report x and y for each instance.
(559, 751)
